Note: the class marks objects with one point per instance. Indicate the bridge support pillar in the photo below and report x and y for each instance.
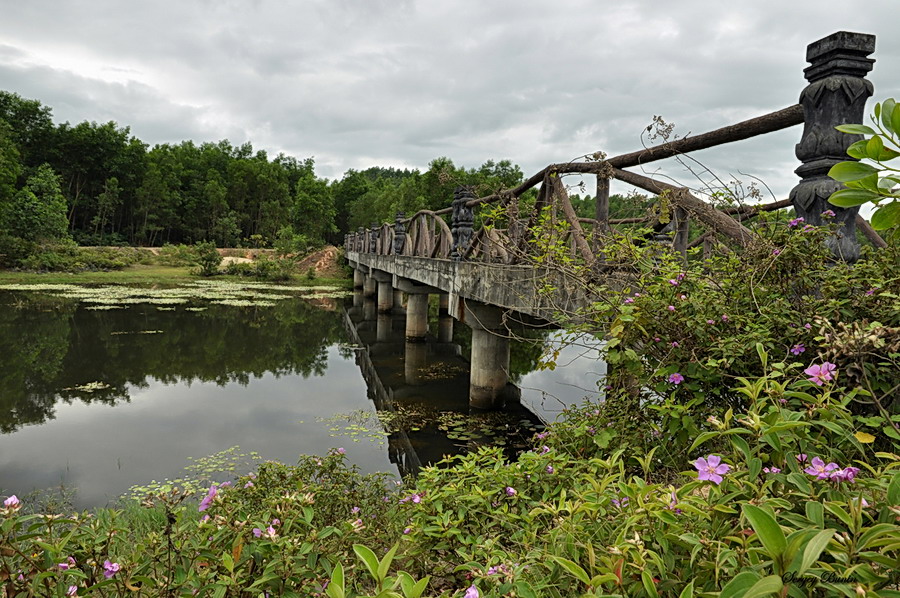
(490, 355)
(414, 362)
(385, 290)
(416, 317)
(445, 320)
(359, 278)
(370, 286)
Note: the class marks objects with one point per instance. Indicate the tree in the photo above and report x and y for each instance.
(38, 211)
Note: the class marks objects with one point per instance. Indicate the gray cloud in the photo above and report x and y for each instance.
(357, 83)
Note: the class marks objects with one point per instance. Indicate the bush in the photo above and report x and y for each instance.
(207, 258)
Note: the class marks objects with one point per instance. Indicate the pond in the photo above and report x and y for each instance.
(106, 388)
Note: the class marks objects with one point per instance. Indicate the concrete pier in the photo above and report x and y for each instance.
(370, 286)
(359, 278)
(490, 355)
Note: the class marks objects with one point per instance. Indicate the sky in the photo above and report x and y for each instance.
(359, 83)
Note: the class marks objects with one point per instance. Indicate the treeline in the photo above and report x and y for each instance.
(100, 185)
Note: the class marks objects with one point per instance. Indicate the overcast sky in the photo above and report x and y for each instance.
(357, 83)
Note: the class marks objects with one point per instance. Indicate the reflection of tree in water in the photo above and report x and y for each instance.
(50, 347)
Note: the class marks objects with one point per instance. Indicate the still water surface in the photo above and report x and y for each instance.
(99, 400)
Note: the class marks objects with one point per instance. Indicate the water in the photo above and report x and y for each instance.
(99, 400)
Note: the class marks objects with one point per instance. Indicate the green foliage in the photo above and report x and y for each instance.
(37, 213)
(878, 184)
(208, 259)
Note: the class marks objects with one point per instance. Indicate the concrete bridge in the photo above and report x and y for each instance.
(535, 262)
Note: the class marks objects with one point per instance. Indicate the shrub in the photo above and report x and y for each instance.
(207, 259)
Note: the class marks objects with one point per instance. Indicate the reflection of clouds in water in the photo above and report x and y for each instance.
(107, 450)
(578, 371)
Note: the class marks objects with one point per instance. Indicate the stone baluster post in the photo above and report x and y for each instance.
(360, 237)
(462, 221)
(373, 238)
(399, 233)
(836, 95)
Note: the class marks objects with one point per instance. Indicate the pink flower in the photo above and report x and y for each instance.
(724, 318)
(710, 322)
(820, 374)
(671, 308)
(472, 592)
(711, 468)
(819, 469)
(676, 378)
(13, 503)
(210, 496)
(798, 349)
(828, 214)
(341, 451)
(673, 282)
(776, 252)
(629, 300)
(70, 562)
(407, 530)
(72, 591)
(771, 470)
(796, 222)
(110, 569)
(802, 458)
(510, 491)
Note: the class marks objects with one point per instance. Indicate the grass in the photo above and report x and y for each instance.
(145, 274)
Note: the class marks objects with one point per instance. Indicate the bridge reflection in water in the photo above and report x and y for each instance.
(421, 390)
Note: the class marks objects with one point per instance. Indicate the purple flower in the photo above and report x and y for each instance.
(70, 562)
(472, 592)
(828, 214)
(542, 435)
(796, 222)
(724, 318)
(407, 530)
(776, 252)
(801, 458)
(870, 292)
(676, 378)
(771, 470)
(510, 491)
(249, 484)
(808, 326)
(710, 322)
(673, 500)
(673, 282)
(711, 468)
(72, 591)
(257, 532)
(674, 344)
(681, 276)
(671, 308)
(210, 496)
(354, 510)
(13, 503)
(819, 469)
(110, 569)
(848, 474)
(545, 449)
(820, 374)
(807, 227)
(798, 349)
(629, 300)
(656, 339)
(341, 451)
(550, 469)
(621, 503)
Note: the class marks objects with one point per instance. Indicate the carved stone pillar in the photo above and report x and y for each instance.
(462, 222)
(836, 95)
(360, 236)
(373, 238)
(399, 233)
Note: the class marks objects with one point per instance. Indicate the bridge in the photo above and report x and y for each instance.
(527, 260)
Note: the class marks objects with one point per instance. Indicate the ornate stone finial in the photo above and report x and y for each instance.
(373, 238)
(360, 237)
(399, 233)
(462, 221)
(836, 95)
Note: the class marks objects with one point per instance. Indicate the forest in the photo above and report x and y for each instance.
(98, 185)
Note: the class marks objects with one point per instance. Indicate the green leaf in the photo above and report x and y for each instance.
(385, 564)
(713, 434)
(887, 216)
(857, 150)
(814, 548)
(895, 120)
(769, 532)
(335, 588)
(688, 591)
(846, 172)
(849, 198)
(573, 568)
(368, 558)
(887, 112)
(755, 467)
(649, 586)
(893, 493)
(856, 129)
(739, 585)
(765, 587)
(874, 147)
(815, 512)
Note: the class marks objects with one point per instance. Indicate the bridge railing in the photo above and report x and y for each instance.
(836, 94)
